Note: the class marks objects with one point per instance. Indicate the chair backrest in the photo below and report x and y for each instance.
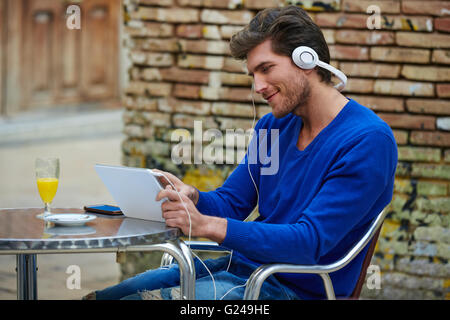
(362, 276)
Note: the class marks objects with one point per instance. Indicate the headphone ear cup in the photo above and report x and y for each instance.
(305, 57)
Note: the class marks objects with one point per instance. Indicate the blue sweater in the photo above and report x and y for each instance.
(318, 204)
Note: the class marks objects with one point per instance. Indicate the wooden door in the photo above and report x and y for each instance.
(50, 65)
(2, 55)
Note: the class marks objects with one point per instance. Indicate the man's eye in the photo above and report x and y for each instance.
(266, 69)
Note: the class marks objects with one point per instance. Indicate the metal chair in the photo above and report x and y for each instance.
(258, 277)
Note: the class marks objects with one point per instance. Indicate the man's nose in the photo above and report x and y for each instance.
(259, 84)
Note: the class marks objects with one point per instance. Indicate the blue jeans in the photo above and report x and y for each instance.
(163, 283)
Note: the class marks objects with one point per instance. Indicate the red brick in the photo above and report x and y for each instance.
(223, 4)
(231, 79)
(348, 52)
(211, 63)
(407, 23)
(187, 91)
(175, 74)
(426, 73)
(175, 15)
(140, 103)
(187, 121)
(262, 4)
(404, 88)
(401, 136)
(435, 138)
(441, 56)
(442, 24)
(423, 40)
(364, 37)
(192, 31)
(436, 8)
(184, 106)
(228, 93)
(341, 20)
(211, 32)
(240, 17)
(370, 69)
(228, 31)
(162, 3)
(443, 90)
(400, 55)
(440, 107)
(359, 85)
(317, 6)
(204, 46)
(151, 58)
(405, 121)
(380, 103)
(234, 123)
(232, 109)
(155, 45)
(149, 88)
(190, 3)
(218, 4)
(386, 6)
(148, 29)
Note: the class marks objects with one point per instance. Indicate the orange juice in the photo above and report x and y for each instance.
(47, 188)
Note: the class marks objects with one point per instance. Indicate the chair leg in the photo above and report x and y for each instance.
(328, 286)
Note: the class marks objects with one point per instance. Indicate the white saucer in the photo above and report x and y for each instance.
(69, 219)
(69, 231)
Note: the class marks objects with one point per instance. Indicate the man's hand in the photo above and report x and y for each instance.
(199, 225)
(182, 187)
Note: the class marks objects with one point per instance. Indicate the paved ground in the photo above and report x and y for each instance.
(80, 139)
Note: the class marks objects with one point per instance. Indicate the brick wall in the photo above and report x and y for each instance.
(181, 71)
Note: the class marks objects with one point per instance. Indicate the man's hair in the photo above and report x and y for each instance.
(288, 28)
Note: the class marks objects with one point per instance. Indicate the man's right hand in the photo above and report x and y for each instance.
(181, 187)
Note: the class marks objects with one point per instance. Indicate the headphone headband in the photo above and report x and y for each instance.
(306, 58)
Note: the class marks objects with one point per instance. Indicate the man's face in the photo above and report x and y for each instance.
(278, 80)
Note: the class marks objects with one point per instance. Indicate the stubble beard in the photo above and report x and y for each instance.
(297, 96)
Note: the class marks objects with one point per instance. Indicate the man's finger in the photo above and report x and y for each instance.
(171, 205)
(168, 193)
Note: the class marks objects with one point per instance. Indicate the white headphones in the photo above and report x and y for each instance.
(307, 58)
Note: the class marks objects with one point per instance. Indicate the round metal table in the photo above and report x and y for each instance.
(25, 235)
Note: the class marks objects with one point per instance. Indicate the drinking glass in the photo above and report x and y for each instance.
(47, 177)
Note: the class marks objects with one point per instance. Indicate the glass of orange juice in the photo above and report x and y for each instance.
(47, 178)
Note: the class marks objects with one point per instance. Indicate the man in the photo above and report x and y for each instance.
(337, 163)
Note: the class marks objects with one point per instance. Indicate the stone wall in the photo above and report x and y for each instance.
(181, 71)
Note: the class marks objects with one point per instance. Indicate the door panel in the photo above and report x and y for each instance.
(52, 65)
(40, 53)
(98, 76)
(2, 55)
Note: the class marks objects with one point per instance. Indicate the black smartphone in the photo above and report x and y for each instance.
(104, 209)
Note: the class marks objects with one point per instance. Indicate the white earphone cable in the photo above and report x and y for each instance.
(189, 215)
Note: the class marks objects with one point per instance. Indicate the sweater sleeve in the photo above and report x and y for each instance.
(237, 197)
(355, 182)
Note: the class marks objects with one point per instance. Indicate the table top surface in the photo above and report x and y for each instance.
(20, 229)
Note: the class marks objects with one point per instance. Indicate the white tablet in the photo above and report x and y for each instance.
(134, 190)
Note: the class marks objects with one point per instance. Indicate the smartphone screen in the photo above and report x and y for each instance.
(105, 209)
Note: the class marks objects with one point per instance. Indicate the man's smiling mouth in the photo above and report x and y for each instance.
(271, 96)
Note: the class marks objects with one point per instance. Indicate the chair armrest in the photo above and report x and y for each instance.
(167, 259)
(205, 246)
(258, 277)
(263, 272)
